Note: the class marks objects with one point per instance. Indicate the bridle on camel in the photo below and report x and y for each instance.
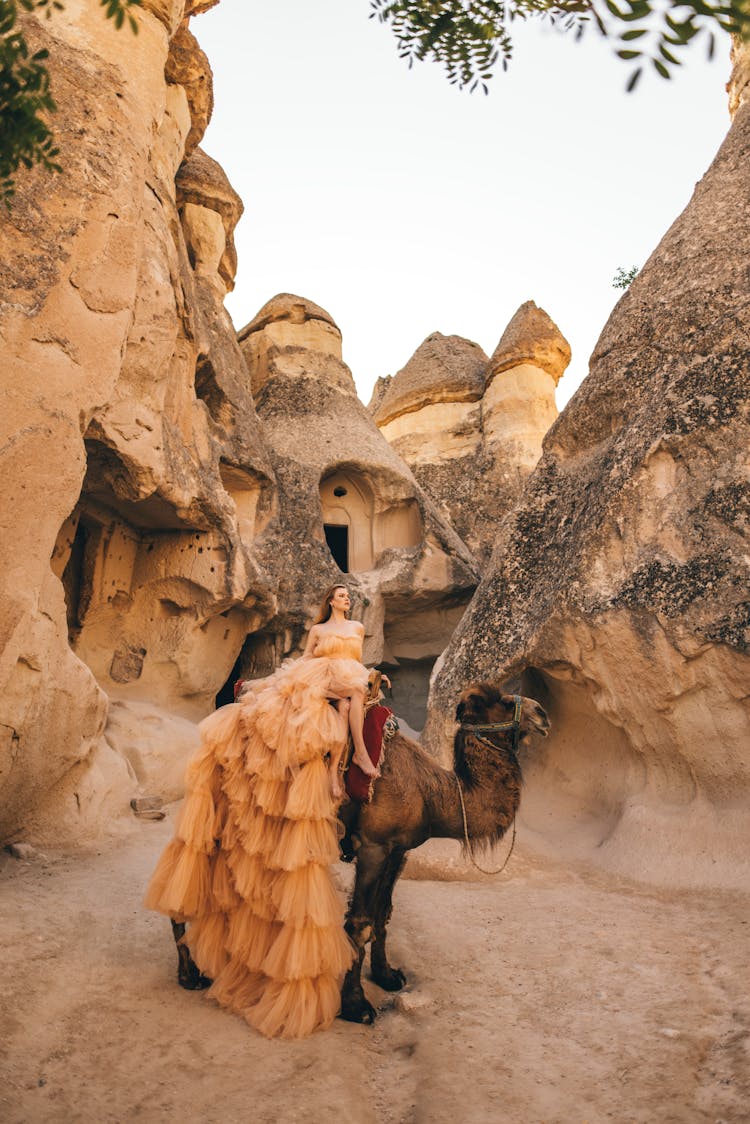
(514, 725)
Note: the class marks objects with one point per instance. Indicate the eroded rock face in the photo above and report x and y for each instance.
(135, 477)
(471, 428)
(619, 591)
(345, 497)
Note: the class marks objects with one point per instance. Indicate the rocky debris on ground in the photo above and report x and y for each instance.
(148, 807)
(412, 1002)
(25, 852)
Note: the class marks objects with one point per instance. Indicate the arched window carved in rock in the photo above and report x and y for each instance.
(361, 520)
(348, 505)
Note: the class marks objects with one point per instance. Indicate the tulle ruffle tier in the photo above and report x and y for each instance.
(249, 867)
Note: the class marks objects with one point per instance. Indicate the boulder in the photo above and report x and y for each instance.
(156, 744)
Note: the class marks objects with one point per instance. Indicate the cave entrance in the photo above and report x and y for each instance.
(226, 694)
(337, 537)
(259, 656)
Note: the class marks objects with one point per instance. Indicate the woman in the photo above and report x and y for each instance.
(328, 635)
(249, 866)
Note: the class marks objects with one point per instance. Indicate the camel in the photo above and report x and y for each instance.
(415, 799)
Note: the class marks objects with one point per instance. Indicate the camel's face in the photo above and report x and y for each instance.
(374, 681)
(485, 703)
(534, 719)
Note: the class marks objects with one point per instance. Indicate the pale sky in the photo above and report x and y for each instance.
(404, 206)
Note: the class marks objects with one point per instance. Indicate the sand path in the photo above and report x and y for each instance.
(546, 995)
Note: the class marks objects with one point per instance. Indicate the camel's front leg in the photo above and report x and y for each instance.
(189, 974)
(359, 925)
(390, 979)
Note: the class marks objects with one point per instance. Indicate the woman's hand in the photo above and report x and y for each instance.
(384, 679)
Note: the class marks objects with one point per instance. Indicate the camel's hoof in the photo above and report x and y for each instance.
(193, 981)
(393, 979)
(358, 1011)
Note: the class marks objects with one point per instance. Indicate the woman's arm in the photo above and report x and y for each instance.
(312, 640)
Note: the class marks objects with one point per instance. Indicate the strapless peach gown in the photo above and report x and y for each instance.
(249, 867)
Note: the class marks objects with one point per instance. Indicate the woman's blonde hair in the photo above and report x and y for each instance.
(325, 608)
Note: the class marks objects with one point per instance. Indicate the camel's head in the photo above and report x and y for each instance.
(374, 692)
(486, 703)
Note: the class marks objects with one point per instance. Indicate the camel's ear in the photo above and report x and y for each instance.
(468, 704)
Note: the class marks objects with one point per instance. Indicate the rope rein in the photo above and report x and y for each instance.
(514, 725)
(467, 841)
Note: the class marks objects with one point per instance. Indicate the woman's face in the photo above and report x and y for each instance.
(341, 599)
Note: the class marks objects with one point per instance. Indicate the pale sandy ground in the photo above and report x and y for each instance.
(546, 995)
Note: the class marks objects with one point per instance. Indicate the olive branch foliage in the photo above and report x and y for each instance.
(624, 278)
(25, 97)
(469, 37)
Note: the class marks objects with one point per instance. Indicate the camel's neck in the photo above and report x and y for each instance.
(491, 785)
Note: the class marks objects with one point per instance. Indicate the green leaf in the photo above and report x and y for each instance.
(634, 79)
(669, 57)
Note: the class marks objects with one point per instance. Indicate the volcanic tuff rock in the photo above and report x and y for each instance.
(341, 484)
(471, 428)
(619, 591)
(134, 473)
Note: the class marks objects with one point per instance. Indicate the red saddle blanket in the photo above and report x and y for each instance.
(357, 784)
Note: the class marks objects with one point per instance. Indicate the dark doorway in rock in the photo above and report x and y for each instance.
(226, 694)
(259, 656)
(337, 537)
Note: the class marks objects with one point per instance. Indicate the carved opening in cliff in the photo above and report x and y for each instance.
(94, 557)
(259, 656)
(139, 607)
(337, 538)
(72, 561)
(362, 518)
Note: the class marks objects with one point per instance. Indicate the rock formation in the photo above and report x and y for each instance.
(347, 502)
(619, 589)
(134, 473)
(471, 428)
(145, 534)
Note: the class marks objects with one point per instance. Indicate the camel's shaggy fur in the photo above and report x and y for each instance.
(416, 799)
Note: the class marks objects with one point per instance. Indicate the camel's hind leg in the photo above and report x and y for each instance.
(371, 860)
(189, 974)
(390, 979)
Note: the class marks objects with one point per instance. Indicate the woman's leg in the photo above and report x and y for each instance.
(356, 721)
(342, 706)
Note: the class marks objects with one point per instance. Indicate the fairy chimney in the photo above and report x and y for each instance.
(471, 428)
(617, 595)
(348, 506)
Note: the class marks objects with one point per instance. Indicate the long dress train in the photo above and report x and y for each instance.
(249, 866)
